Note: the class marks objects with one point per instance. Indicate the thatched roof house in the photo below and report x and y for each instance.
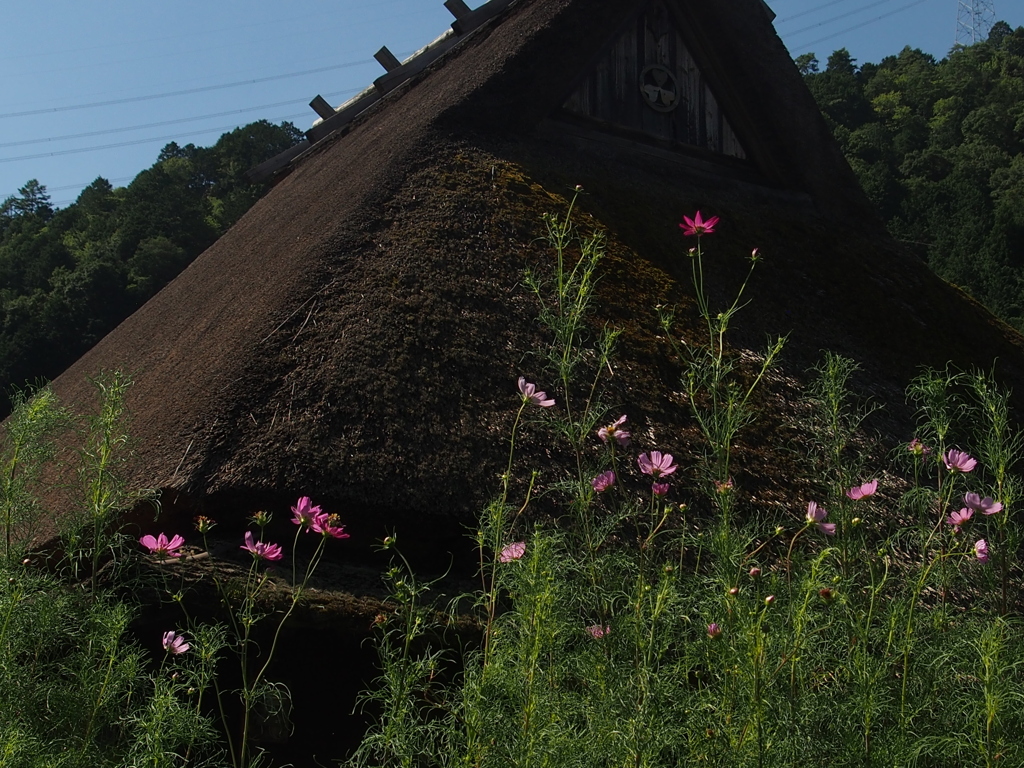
(357, 336)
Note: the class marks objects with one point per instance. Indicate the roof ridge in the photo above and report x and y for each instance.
(335, 119)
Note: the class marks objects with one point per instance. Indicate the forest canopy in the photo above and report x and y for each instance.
(69, 276)
(939, 147)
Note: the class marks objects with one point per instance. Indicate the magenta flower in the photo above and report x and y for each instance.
(656, 464)
(175, 643)
(697, 225)
(755, 572)
(958, 461)
(918, 448)
(862, 491)
(604, 481)
(512, 551)
(322, 523)
(531, 394)
(981, 550)
(161, 546)
(261, 550)
(304, 512)
(612, 432)
(986, 506)
(659, 489)
(714, 631)
(597, 631)
(815, 516)
(957, 519)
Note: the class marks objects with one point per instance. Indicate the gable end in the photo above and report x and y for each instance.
(647, 83)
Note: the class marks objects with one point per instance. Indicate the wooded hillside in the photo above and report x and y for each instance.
(69, 276)
(939, 147)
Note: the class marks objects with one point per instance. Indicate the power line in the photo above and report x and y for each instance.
(167, 122)
(191, 34)
(862, 24)
(85, 184)
(134, 142)
(837, 18)
(201, 89)
(810, 10)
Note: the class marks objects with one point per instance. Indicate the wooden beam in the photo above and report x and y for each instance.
(321, 107)
(466, 24)
(343, 116)
(387, 59)
(387, 83)
(457, 8)
(268, 168)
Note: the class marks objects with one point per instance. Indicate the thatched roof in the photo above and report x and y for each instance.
(358, 334)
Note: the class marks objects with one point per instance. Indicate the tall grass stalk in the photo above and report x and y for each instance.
(28, 447)
(718, 395)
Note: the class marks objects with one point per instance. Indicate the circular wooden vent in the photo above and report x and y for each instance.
(659, 89)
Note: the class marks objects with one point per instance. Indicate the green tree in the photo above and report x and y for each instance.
(68, 276)
(937, 147)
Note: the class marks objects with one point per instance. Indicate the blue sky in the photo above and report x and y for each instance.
(97, 88)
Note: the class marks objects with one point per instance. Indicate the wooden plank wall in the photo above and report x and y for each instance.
(611, 93)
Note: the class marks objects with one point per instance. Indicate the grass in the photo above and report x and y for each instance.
(658, 617)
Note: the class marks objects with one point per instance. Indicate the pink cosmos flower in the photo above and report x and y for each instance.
(815, 516)
(604, 481)
(531, 394)
(175, 643)
(612, 432)
(304, 512)
(769, 600)
(957, 519)
(161, 546)
(656, 464)
(755, 572)
(261, 550)
(697, 225)
(512, 551)
(322, 523)
(659, 489)
(714, 631)
(596, 631)
(958, 461)
(986, 506)
(862, 491)
(918, 448)
(981, 550)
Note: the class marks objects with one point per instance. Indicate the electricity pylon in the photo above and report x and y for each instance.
(974, 19)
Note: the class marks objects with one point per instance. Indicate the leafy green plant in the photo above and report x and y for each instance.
(847, 631)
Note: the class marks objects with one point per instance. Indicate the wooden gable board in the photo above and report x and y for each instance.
(647, 82)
